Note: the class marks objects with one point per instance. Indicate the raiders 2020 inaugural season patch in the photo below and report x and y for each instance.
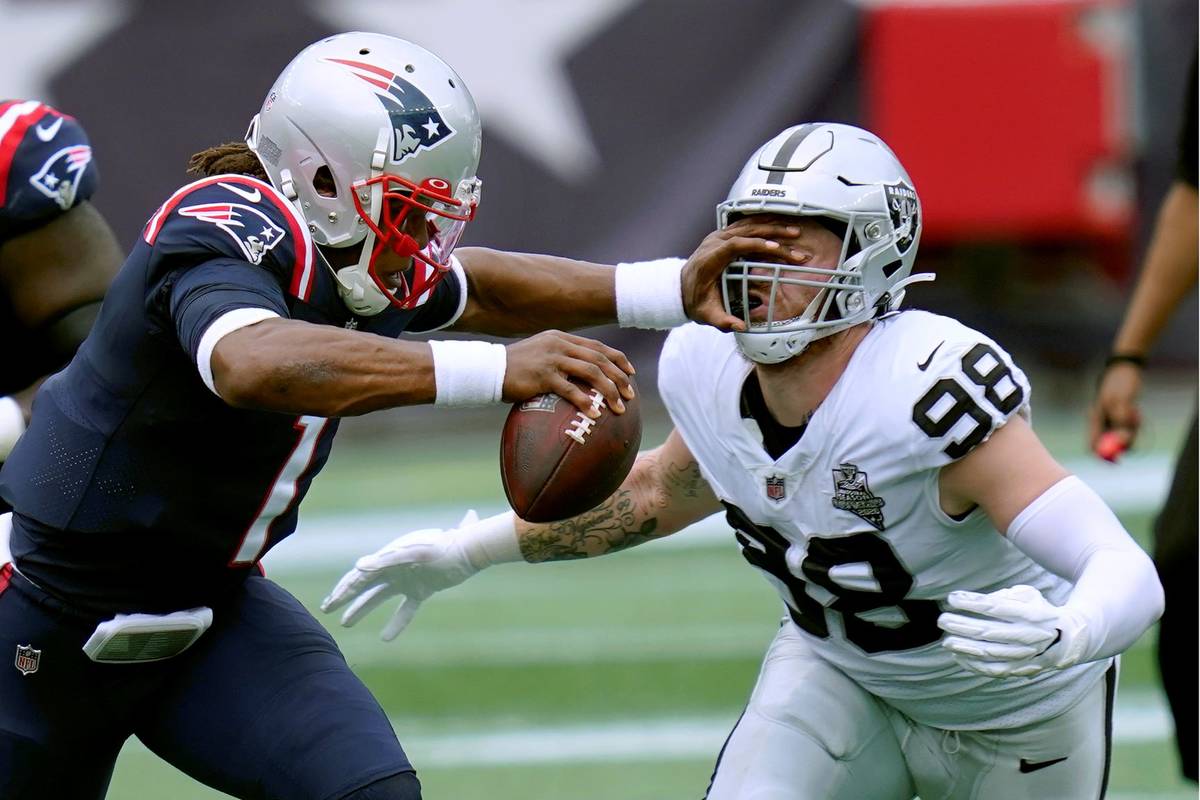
(851, 493)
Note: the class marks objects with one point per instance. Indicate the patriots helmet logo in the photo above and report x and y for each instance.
(59, 177)
(416, 123)
(254, 232)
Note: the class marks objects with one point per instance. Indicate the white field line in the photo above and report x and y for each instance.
(1140, 718)
(1138, 484)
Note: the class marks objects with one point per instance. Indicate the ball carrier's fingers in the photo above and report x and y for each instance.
(602, 372)
(612, 354)
(546, 363)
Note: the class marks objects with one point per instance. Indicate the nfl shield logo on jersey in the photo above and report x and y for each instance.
(776, 488)
(28, 659)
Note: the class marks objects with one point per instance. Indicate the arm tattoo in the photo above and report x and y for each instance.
(684, 480)
(607, 528)
(629, 518)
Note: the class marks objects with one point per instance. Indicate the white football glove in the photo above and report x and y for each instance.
(1013, 631)
(414, 567)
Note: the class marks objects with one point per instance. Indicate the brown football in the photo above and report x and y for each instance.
(556, 462)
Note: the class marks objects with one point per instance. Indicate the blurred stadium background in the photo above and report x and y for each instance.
(1041, 136)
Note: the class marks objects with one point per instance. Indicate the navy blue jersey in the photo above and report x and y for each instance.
(136, 487)
(46, 166)
(46, 169)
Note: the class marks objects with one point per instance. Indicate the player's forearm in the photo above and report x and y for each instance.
(512, 294)
(1070, 531)
(1120, 595)
(1169, 272)
(298, 368)
(621, 522)
(660, 497)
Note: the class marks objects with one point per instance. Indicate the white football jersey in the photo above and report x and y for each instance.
(847, 524)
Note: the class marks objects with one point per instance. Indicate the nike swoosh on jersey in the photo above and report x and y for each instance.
(252, 196)
(48, 133)
(924, 365)
(1034, 766)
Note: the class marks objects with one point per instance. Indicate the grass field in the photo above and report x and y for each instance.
(614, 678)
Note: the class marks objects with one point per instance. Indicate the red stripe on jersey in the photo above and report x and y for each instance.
(302, 267)
(11, 139)
(5, 576)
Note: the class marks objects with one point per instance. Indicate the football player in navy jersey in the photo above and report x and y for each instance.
(260, 304)
(57, 254)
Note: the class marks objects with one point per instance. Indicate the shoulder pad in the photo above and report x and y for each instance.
(962, 386)
(236, 216)
(689, 346)
(46, 165)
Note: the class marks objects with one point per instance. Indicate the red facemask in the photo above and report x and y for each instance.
(445, 218)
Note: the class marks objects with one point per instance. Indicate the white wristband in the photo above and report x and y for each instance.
(468, 373)
(12, 425)
(491, 541)
(650, 294)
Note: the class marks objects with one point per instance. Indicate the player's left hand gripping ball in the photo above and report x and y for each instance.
(1014, 631)
(413, 567)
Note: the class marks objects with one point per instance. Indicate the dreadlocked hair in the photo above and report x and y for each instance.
(225, 159)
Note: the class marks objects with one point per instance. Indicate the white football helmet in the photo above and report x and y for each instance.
(848, 177)
(396, 131)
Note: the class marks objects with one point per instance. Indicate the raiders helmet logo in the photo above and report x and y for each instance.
(59, 177)
(416, 123)
(902, 207)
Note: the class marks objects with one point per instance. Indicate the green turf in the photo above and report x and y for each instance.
(672, 633)
(649, 633)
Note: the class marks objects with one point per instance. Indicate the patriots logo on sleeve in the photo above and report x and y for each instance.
(59, 177)
(254, 232)
(416, 122)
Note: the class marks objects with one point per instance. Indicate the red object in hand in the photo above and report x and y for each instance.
(1110, 446)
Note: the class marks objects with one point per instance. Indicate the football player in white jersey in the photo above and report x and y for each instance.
(955, 599)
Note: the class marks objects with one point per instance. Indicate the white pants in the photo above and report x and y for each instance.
(810, 733)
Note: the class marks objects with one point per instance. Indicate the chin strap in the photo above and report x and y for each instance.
(357, 290)
(360, 293)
